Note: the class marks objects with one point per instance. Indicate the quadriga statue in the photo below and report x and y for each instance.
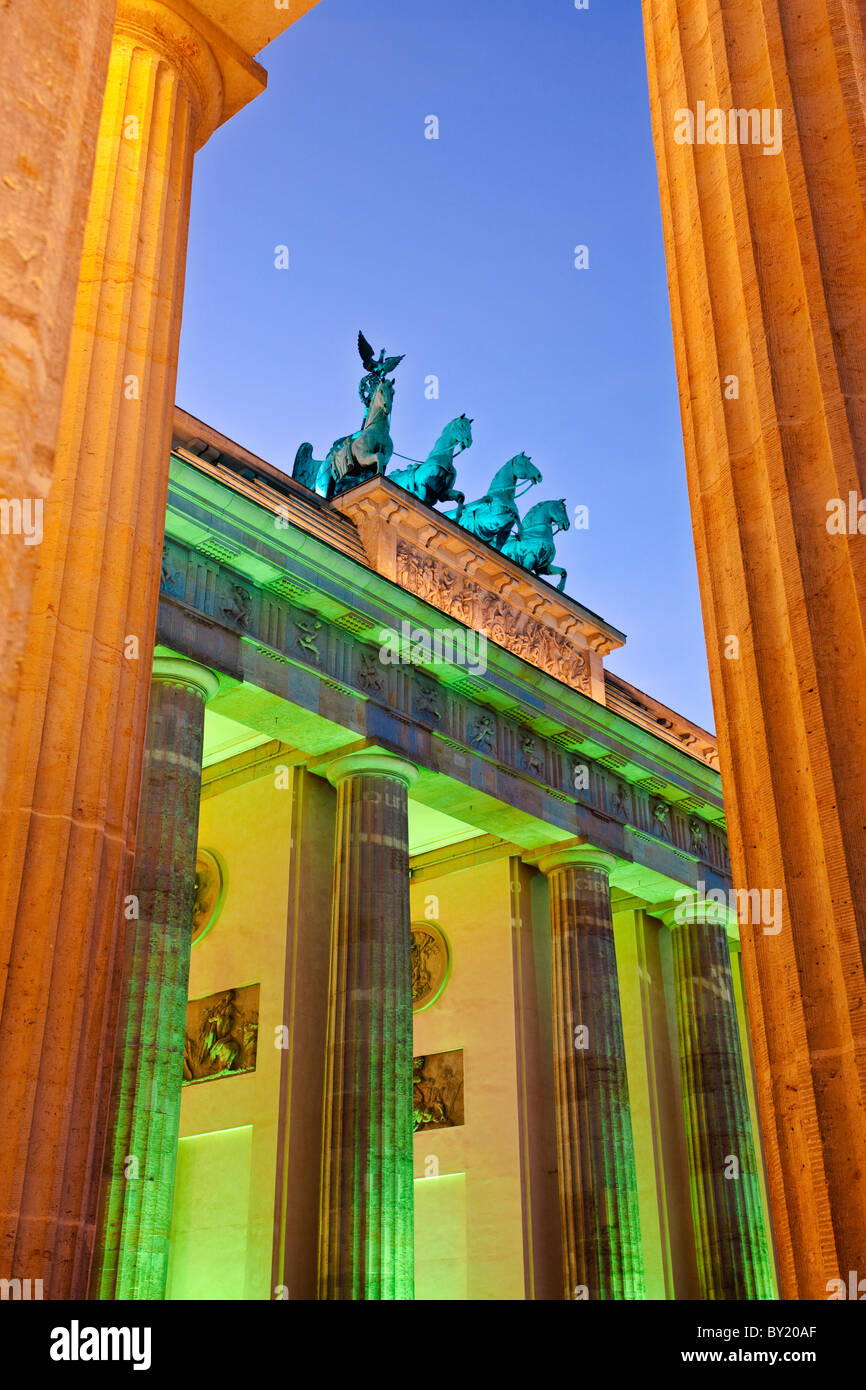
(354, 458)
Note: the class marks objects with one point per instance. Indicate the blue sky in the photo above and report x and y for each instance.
(459, 252)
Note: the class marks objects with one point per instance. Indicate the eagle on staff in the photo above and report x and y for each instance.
(377, 369)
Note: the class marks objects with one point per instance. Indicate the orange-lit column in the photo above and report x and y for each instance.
(68, 827)
(765, 237)
(727, 1216)
(53, 64)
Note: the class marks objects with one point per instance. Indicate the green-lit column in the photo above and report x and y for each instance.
(727, 1214)
(131, 1255)
(601, 1244)
(367, 1217)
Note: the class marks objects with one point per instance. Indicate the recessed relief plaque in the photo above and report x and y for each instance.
(438, 1090)
(210, 891)
(431, 963)
(221, 1034)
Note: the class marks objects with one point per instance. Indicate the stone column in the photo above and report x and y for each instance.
(367, 1212)
(67, 837)
(730, 1239)
(765, 237)
(53, 64)
(601, 1242)
(138, 1184)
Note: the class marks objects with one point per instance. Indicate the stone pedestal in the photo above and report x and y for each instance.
(366, 1227)
(765, 235)
(730, 1239)
(601, 1243)
(133, 1235)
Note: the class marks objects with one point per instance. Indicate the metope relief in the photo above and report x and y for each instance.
(221, 1034)
(238, 607)
(438, 1090)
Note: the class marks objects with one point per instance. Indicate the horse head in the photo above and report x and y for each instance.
(459, 432)
(543, 514)
(382, 399)
(523, 468)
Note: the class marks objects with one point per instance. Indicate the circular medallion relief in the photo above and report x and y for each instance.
(210, 891)
(431, 963)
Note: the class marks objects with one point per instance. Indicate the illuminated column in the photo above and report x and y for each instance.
(67, 837)
(601, 1244)
(367, 1214)
(53, 64)
(132, 1240)
(765, 233)
(727, 1215)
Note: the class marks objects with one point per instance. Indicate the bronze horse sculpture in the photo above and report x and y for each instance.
(352, 458)
(533, 545)
(433, 480)
(493, 517)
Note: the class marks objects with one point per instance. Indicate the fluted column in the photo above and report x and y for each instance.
(68, 830)
(601, 1242)
(135, 1219)
(53, 65)
(727, 1215)
(765, 236)
(367, 1212)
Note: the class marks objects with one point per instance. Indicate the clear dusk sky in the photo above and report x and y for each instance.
(459, 252)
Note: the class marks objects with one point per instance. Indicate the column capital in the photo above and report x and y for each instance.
(231, 33)
(170, 31)
(696, 911)
(581, 856)
(178, 670)
(371, 762)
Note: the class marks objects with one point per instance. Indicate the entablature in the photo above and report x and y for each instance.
(279, 608)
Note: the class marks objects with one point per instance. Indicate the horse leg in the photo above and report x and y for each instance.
(556, 569)
(455, 495)
(407, 479)
(501, 536)
(366, 457)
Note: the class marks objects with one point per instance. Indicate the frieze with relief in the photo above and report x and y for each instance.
(299, 634)
(508, 627)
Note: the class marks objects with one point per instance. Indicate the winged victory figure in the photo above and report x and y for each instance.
(377, 368)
